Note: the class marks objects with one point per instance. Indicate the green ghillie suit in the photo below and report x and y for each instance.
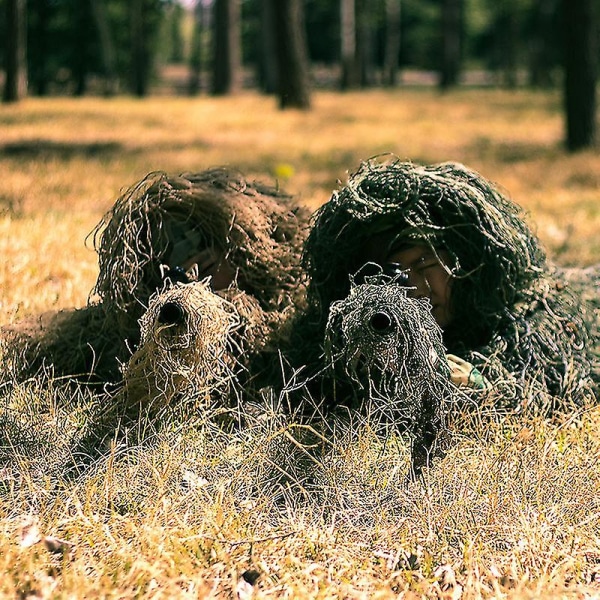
(514, 318)
(157, 225)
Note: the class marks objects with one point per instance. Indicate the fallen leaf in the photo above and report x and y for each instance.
(30, 534)
(58, 546)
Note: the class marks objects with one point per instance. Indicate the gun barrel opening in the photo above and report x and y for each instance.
(381, 322)
(171, 313)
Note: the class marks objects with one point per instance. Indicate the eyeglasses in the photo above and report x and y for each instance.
(390, 272)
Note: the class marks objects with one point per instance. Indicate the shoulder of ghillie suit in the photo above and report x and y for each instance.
(546, 350)
(259, 229)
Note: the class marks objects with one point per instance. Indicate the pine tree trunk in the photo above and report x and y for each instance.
(364, 42)
(138, 70)
(80, 59)
(267, 75)
(107, 47)
(542, 43)
(580, 28)
(350, 68)
(196, 54)
(15, 84)
(392, 42)
(452, 25)
(38, 67)
(227, 59)
(292, 55)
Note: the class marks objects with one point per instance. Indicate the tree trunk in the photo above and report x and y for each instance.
(176, 14)
(139, 58)
(267, 75)
(350, 66)
(227, 58)
(542, 44)
(392, 42)
(15, 84)
(196, 54)
(107, 47)
(452, 31)
(80, 57)
(292, 55)
(37, 56)
(579, 20)
(509, 47)
(364, 42)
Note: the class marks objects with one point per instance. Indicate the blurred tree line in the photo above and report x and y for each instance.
(287, 47)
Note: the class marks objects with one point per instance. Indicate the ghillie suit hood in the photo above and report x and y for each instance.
(258, 228)
(504, 300)
(155, 225)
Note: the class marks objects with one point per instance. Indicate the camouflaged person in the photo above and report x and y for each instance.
(243, 237)
(512, 325)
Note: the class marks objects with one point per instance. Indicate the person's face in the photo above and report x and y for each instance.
(212, 263)
(427, 278)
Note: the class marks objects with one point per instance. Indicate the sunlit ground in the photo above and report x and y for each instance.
(512, 512)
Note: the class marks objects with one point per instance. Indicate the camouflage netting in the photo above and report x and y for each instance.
(154, 228)
(390, 347)
(506, 301)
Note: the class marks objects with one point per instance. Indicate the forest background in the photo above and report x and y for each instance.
(289, 46)
(512, 511)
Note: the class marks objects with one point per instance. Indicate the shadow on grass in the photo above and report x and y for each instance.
(40, 148)
(514, 152)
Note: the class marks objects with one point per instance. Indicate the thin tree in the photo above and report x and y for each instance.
(544, 52)
(227, 47)
(145, 17)
(38, 50)
(580, 27)
(15, 84)
(350, 66)
(267, 74)
(452, 32)
(197, 53)
(139, 55)
(107, 47)
(508, 20)
(392, 42)
(293, 86)
(176, 39)
(366, 11)
(83, 45)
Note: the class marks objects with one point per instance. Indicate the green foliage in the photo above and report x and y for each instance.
(64, 44)
(509, 38)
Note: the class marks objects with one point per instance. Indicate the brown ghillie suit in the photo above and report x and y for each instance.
(156, 224)
(514, 316)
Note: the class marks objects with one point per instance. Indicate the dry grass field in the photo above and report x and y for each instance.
(512, 511)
